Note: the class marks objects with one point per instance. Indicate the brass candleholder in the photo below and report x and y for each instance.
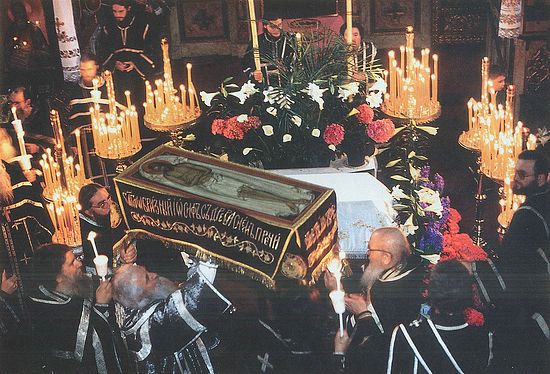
(165, 110)
(412, 92)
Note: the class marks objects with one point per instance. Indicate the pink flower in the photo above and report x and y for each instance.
(232, 128)
(381, 130)
(474, 317)
(334, 134)
(218, 125)
(365, 115)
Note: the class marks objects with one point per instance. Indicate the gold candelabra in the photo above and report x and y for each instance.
(165, 110)
(412, 85)
(116, 133)
(63, 180)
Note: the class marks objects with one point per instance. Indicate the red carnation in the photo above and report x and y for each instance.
(381, 130)
(461, 247)
(218, 125)
(334, 134)
(365, 115)
(474, 317)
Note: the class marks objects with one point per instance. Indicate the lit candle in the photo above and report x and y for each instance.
(436, 68)
(91, 238)
(14, 111)
(254, 35)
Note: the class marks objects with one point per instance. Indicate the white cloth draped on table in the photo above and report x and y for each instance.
(363, 205)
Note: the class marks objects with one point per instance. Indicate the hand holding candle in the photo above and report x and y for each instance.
(101, 266)
(339, 305)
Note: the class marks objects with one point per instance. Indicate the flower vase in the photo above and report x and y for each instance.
(356, 157)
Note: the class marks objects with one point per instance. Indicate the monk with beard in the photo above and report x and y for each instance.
(73, 321)
(392, 286)
(100, 214)
(165, 325)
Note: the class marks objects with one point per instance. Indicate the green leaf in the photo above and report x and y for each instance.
(411, 154)
(429, 129)
(392, 163)
(352, 112)
(419, 157)
(400, 206)
(399, 178)
(228, 79)
(398, 130)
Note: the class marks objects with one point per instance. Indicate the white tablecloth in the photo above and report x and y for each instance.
(363, 204)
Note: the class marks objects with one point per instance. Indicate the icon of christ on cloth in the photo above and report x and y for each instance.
(232, 187)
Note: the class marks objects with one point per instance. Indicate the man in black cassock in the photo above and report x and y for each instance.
(74, 328)
(392, 294)
(524, 260)
(274, 45)
(166, 326)
(125, 47)
(100, 214)
(447, 341)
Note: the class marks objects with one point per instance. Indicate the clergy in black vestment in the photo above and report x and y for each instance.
(126, 48)
(447, 341)
(525, 265)
(74, 328)
(100, 214)
(166, 326)
(392, 294)
(274, 45)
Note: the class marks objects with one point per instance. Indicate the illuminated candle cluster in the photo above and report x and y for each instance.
(478, 111)
(116, 133)
(509, 202)
(412, 83)
(63, 180)
(165, 110)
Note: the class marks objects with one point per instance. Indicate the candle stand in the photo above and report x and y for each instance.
(165, 110)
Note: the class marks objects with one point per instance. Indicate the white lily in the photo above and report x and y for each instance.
(268, 130)
(249, 88)
(432, 199)
(316, 133)
(297, 120)
(272, 110)
(207, 97)
(242, 118)
(348, 89)
(316, 94)
(332, 147)
(239, 95)
(268, 95)
(397, 193)
(433, 258)
(408, 227)
(374, 99)
(287, 138)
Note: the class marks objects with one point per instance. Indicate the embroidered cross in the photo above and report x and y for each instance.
(265, 362)
(58, 25)
(25, 259)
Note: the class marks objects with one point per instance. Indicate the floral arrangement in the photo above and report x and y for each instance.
(317, 112)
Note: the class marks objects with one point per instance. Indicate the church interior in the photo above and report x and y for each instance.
(255, 157)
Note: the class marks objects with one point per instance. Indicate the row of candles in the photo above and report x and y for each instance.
(63, 180)
(412, 87)
(116, 133)
(163, 105)
(492, 132)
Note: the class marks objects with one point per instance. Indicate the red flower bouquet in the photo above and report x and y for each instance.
(474, 317)
(365, 115)
(235, 127)
(334, 134)
(381, 130)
